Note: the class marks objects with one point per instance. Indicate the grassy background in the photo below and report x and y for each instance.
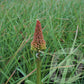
(59, 19)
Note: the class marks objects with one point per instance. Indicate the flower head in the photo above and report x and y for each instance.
(38, 42)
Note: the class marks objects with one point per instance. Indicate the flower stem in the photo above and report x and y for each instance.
(38, 68)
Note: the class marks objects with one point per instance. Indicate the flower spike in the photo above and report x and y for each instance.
(38, 42)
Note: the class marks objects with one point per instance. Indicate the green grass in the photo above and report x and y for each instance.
(59, 19)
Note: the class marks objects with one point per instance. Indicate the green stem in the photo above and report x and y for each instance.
(38, 68)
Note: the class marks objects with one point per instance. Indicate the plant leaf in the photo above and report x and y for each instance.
(29, 82)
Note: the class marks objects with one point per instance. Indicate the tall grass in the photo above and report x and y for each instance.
(59, 19)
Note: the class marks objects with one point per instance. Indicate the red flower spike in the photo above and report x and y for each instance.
(38, 42)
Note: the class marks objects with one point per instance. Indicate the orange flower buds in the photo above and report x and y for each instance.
(38, 42)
